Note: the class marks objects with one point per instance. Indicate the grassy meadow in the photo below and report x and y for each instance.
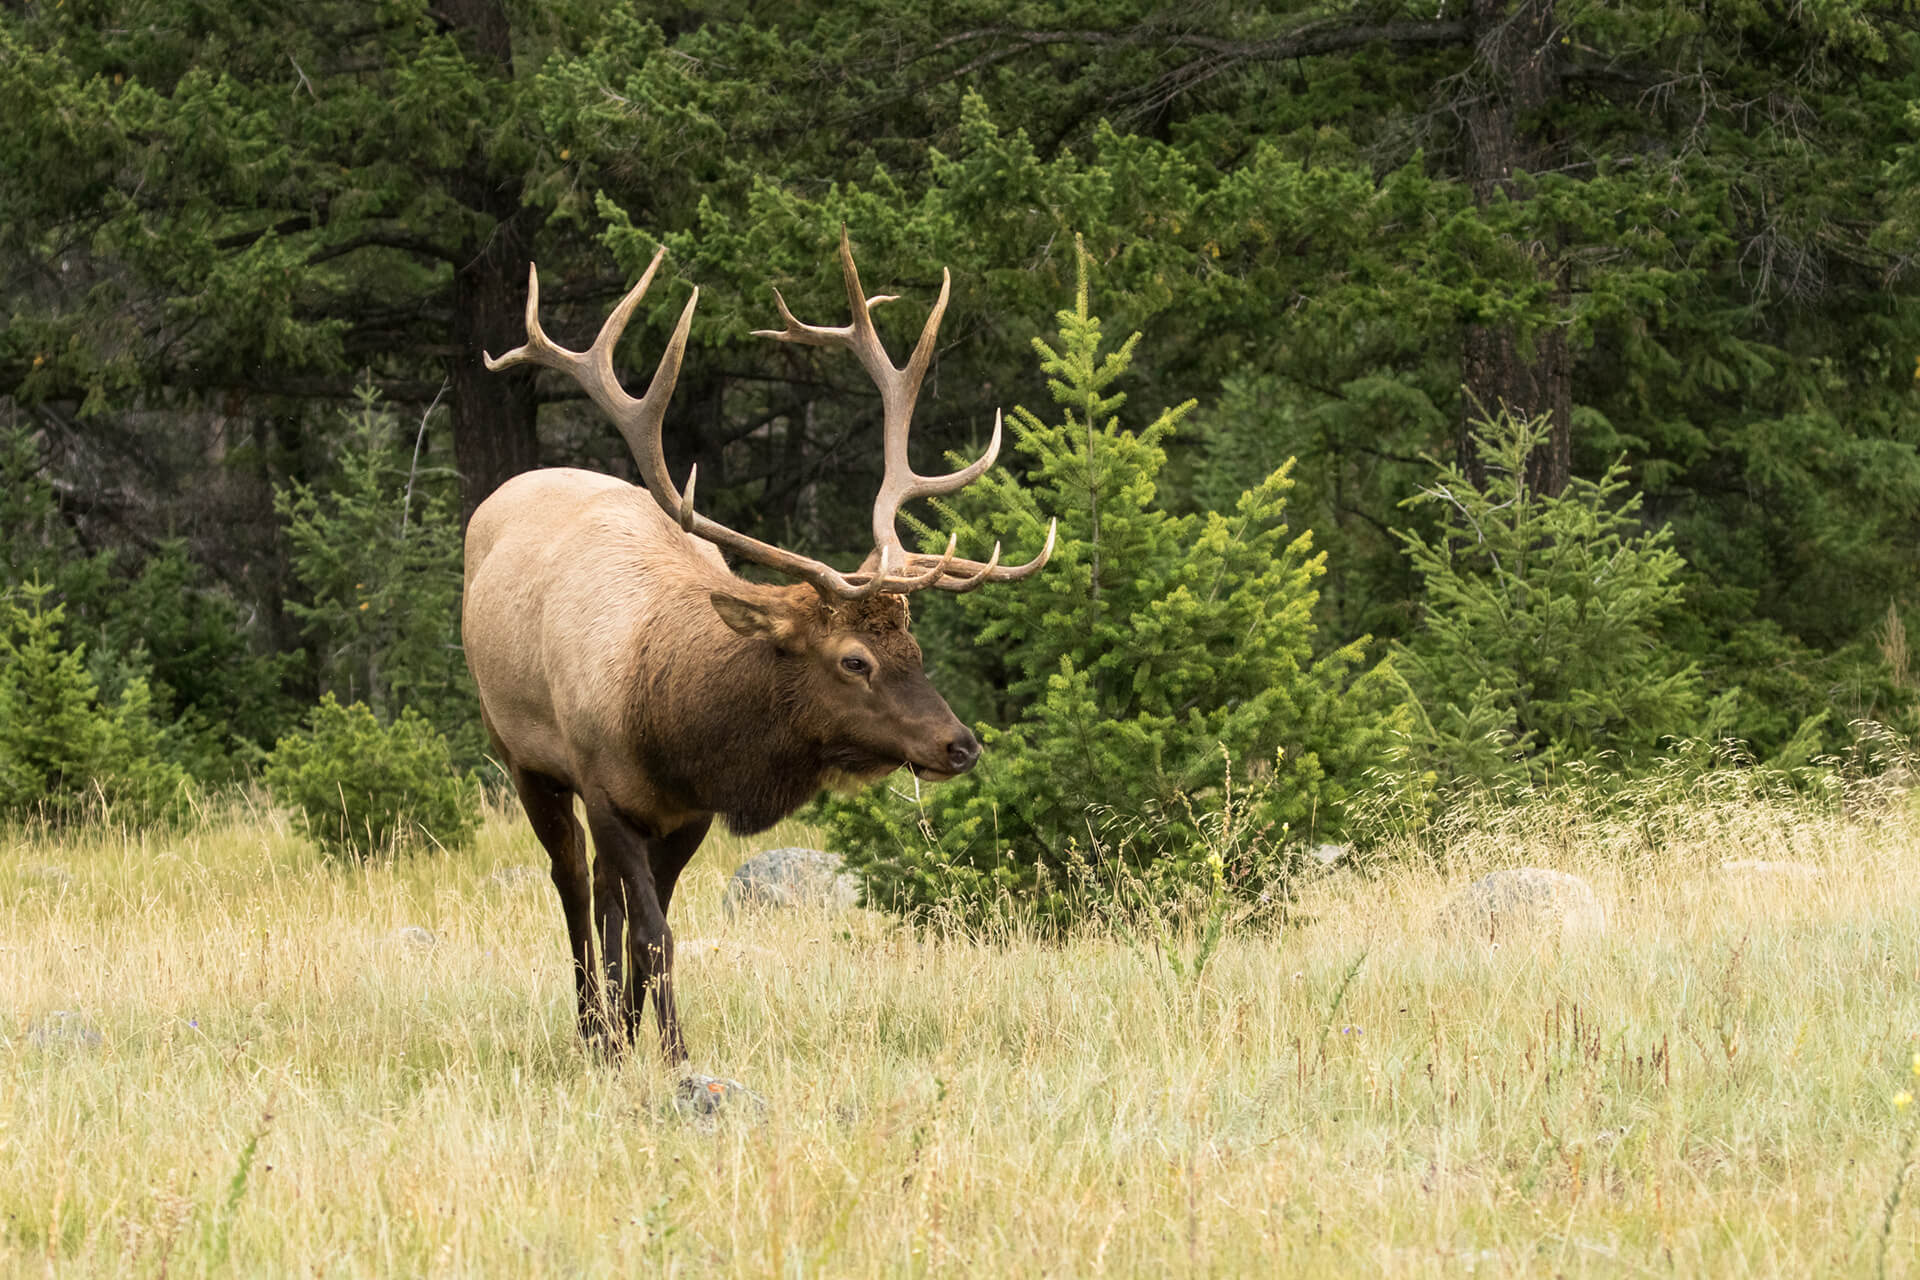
(288, 1078)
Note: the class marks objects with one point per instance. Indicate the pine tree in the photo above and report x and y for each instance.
(379, 553)
(1159, 674)
(1540, 641)
(63, 752)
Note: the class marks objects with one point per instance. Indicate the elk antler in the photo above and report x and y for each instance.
(891, 568)
(899, 389)
(639, 421)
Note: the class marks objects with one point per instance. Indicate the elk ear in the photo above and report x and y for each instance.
(756, 620)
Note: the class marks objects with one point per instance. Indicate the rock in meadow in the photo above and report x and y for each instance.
(791, 877)
(514, 877)
(64, 1029)
(413, 937)
(1760, 870)
(1526, 900)
(49, 877)
(699, 1095)
(730, 951)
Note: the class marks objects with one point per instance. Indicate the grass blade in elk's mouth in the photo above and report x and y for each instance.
(927, 773)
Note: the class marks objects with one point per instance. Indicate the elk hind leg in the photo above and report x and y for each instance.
(625, 909)
(549, 806)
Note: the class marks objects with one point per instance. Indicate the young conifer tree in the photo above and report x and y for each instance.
(65, 753)
(1541, 642)
(378, 553)
(1157, 696)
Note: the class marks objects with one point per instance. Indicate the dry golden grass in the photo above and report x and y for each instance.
(285, 1085)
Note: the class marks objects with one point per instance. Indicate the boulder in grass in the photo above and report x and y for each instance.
(513, 877)
(64, 1029)
(1526, 901)
(699, 1095)
(791, 877)
(726, 951)
(1767, 870)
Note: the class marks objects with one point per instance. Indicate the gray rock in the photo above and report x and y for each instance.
(1525, 900)
(1763, 869)
(1328, 854)
(699, 1095)
(414, 937)
(790, 878)
(64, 1029)
(730, 951)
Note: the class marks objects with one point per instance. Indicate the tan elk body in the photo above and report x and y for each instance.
(619, 660)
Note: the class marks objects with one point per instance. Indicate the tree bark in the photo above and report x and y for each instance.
(1515, 78)
(495, 415)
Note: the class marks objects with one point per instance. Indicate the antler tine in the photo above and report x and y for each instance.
(536, 346)
(974, 580)
(911, 582)
(806, 335)
(934, 486)
(638, 420)
(993, 571)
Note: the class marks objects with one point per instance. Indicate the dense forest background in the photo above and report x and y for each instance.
(251, 255)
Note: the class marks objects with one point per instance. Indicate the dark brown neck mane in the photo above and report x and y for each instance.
(720, 728)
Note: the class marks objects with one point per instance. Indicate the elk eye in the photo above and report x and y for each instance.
(857, 665)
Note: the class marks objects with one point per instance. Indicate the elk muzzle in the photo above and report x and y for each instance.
(957, 754)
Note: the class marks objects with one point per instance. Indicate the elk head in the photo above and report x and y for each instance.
(842, 638)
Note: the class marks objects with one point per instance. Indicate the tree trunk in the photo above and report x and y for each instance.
(1513, 82)
(495, 415)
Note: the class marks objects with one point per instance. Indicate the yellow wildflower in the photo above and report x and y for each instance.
(1902, 1100)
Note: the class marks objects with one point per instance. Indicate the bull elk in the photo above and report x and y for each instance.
(620, 661)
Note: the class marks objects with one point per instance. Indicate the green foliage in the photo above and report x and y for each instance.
(65, 754)
(378, 552)
(222, 211)
(1540, 639)
(225, 700)
(362, 788)
(162, 624)
(1155, 655)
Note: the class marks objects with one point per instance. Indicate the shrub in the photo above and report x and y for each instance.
(65, 754)
(1159, 674)
(1541, 639)
(362, 788)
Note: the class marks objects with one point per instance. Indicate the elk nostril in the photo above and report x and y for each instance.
(962, 752)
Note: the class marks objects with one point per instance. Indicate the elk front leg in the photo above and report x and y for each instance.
(667, 857)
